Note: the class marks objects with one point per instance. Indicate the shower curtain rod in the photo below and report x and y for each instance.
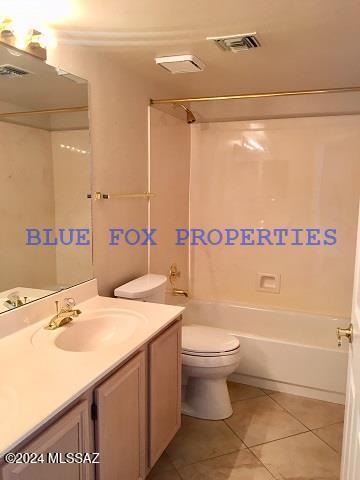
(253, 95)
(44, 112)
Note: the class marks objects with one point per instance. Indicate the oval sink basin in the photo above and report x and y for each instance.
(92, 331)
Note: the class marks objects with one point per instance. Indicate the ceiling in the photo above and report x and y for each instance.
(305, 43)
(43, 88)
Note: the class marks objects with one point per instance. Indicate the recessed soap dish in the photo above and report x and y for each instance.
(268, 282)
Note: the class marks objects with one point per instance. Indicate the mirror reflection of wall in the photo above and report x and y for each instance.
(45, 170)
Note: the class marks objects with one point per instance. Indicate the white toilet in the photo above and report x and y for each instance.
(209, 355)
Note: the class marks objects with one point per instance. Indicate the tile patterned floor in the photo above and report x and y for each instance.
(271, 435)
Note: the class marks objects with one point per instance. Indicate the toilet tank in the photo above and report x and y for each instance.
(148, 288)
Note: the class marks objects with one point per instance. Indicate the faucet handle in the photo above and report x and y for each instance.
(69, 303)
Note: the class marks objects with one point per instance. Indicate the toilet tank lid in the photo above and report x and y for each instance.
(141, 287)
(201, 339)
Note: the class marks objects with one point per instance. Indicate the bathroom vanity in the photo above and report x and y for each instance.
(108, 382)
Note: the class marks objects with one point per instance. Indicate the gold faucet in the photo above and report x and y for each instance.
(174, 273)
(14, 300)
(65, 315)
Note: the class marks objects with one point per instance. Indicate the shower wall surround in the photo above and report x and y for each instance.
(169, 179)
(288, 173)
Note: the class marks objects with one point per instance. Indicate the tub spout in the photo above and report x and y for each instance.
(177, 291)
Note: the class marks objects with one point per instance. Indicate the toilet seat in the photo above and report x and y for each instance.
(201, 341)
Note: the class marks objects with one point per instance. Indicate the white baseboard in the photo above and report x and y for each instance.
(309, 392)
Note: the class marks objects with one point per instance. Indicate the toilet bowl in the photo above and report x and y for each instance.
(209, 356)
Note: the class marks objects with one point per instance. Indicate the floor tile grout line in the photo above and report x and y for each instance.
(293, 415)
(326, 443)
(262, 396)
(208, 458)
(287, 411)
(243, 447)
(224, 455)
(233, 432)
(302, 397)
(325, 426)
(296, 418)
(248, 398)
(278, 439)
(270, 441)
(281, 438)
(211, 458)
(275, 392)
(262, 463)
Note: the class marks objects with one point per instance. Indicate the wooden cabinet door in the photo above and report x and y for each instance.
(164, 390)
(120, 425)
(71, 433)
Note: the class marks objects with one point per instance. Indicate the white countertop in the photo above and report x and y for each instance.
(31, 294)
(37, 383)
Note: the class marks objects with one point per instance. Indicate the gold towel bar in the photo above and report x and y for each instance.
(118, 196)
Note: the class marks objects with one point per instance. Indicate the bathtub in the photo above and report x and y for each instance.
(287, 351)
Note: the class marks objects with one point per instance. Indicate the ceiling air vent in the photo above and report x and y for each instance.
(11, 71)
(236, 43)
(181, 63)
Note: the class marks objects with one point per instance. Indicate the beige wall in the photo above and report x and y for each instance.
(72, 184)
(169, 180)
(118, 103)
(304, 174)
(27, 201)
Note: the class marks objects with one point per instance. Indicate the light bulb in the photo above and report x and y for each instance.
(22, 31)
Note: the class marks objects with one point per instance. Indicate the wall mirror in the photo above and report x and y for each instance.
(45, 180)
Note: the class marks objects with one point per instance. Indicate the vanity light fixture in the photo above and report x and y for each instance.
(21, 35)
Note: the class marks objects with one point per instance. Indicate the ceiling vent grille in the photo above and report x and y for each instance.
(11, 71)
(237, 43)
(181, 63)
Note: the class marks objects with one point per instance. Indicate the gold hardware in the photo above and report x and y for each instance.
(119, 196)
(190, 117)
(178, 291)
(48, 111)
(255, 95)
(344, 332)
(63, 316)
(14, 300)
(174, 273)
